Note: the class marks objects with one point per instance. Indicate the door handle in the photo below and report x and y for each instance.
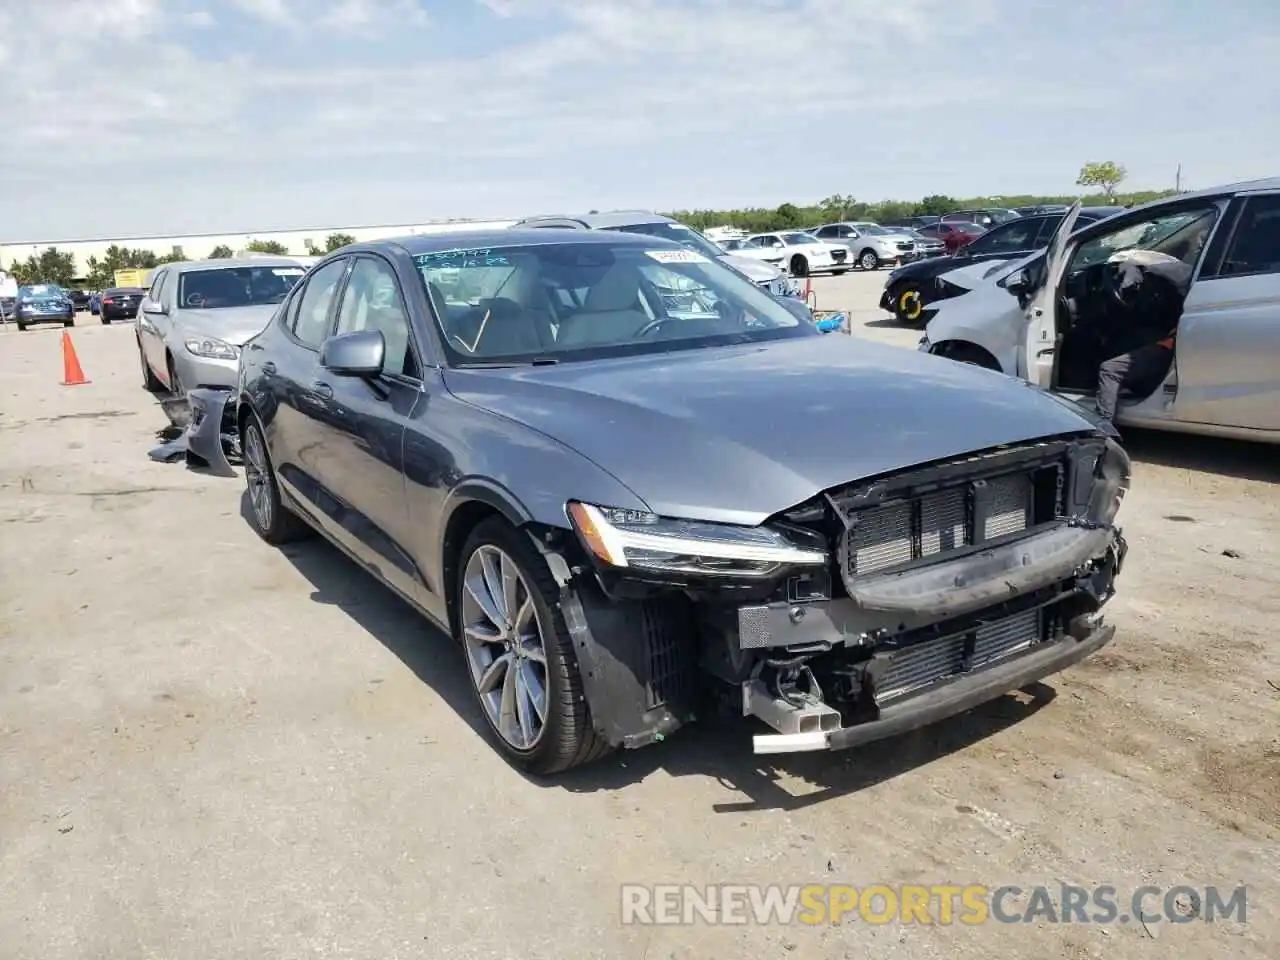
(269, 369)
(322, 389)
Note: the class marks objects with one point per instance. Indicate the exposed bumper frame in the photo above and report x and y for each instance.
(947, 698)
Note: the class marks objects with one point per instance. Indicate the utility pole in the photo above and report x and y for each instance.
(1177, 182)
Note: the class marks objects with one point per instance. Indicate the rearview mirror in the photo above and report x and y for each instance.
(358, 354)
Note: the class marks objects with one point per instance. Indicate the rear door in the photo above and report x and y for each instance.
(1040, 334)
(1228, 346)
(359, 464)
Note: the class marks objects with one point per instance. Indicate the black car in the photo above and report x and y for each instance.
(910, 288)
(120, 303)
(79, 299)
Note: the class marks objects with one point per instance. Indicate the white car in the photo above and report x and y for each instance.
(869, 244)
(800, 253)
(1206, 264)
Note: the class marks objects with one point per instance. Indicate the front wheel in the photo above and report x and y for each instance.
(799, 266)
(21, 326)
(868, 260)
(908, 304)
(270, 518)
(840, 273)
(519, 655)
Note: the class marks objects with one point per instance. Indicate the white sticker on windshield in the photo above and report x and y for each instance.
(288, 271)
(677, 256)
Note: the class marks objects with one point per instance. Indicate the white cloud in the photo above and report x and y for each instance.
(606, 91)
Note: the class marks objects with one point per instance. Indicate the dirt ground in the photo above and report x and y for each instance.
(211, 748)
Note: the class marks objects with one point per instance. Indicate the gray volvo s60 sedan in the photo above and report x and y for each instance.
(629, 482)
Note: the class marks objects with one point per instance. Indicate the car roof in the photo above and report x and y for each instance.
(600, 221)
(421, 243)
(266, 260)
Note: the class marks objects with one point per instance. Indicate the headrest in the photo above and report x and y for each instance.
(618, 289)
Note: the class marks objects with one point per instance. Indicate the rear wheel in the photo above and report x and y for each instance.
(273, 521)
(21, 326)
(799, 266)
(69, 323)
(868, 260)
(519, 655)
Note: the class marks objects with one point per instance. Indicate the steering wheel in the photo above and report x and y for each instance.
(654, 324)
(194, 300)
(1112, 279)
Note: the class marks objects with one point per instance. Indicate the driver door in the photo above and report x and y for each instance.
(1040, 333)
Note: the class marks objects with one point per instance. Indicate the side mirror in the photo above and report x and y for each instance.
(1017, 282)
(154, 308)
(358, 354)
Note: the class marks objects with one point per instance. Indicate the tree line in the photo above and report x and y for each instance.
(59, 267)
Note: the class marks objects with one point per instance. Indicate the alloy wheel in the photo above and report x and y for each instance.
(257, 475)
(505, 646)
(910, 304)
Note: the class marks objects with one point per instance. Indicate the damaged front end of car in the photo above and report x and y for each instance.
(872, 609)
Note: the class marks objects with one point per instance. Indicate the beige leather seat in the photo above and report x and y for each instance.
(612, 312)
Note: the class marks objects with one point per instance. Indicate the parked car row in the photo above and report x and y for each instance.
(1199, 272)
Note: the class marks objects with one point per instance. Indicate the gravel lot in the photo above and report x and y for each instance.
(210, 748)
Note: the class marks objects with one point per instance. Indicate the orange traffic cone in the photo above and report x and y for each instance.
(72, 375)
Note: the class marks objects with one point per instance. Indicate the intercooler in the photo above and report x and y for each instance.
(904, 530)
(921, 664)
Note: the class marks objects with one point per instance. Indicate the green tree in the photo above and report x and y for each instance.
(102, 270)
(175, 255)
(51, 266)
(221, 252)
(267, 246)
(1106, 174)
(336, 240)
(936, 205)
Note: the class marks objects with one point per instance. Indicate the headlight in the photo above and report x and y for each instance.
(633, 539)
(1110, 482)
(212, 348)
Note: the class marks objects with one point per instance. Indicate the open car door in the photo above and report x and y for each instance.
(1040, 343)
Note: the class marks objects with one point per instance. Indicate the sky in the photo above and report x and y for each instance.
(134, 117)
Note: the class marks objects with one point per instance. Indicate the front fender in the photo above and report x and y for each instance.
(981, 319)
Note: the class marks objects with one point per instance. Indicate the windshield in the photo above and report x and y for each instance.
(41, 290)
(1162, 234)
(236, 286)
(794, 239)
(685, 236)
(577, 301)
(870, 229)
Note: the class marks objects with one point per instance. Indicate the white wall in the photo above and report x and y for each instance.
(199, 246)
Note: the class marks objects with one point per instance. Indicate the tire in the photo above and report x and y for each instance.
(799, 265)
(106, 321)
(541, 651)
(909, 304)
(175, 382)
(868, 260)
(840, 273)
(69, 323)
(270, 518)
(21, 326)
(150, 382)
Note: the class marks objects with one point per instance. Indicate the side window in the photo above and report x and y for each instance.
(1255, 248)
(372, 301)
(1047, 227)
(829, 232)
(311, 321)
(156, 293)
(1011, 236)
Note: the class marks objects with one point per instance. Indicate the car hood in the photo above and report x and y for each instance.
(753, 269)
(234, 325)
(737, 434)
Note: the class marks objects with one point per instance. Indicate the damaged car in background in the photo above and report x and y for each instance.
(627, 506)
(192, 322)
(1204, 264)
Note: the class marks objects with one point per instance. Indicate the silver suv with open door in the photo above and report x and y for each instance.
(1204, 264)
